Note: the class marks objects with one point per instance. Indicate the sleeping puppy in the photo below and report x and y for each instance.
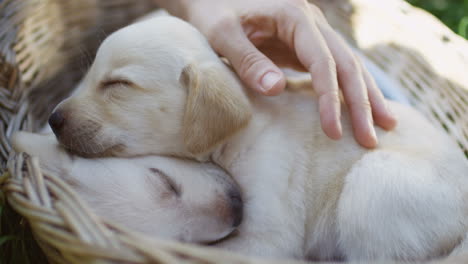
(158, 196)
(156, 87)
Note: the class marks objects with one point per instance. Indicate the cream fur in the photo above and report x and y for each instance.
(135, 194)
(306, 196)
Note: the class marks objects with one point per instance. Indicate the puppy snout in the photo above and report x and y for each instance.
(236, 204)
(57, 121)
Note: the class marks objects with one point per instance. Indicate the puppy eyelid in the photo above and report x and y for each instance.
(168, 181)
(113, 82)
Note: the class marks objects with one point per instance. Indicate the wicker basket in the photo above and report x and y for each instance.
(46, 44)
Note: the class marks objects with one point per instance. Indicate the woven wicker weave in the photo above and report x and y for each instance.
(46, 44)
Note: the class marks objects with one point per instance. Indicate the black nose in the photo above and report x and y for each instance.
(236, 207)
(56, 121)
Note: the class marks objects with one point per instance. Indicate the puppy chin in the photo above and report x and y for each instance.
(97, 151)
(206, 238)
(91, 146)
(89, 139)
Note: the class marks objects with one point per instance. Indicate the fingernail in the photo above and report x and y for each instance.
(269, 80)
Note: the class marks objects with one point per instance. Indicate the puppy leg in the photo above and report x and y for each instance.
(52, 157)
(404, 211)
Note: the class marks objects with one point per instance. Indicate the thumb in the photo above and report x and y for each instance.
(255, 69)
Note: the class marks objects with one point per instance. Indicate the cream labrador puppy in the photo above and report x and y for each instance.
(156, 87)
(158, 196)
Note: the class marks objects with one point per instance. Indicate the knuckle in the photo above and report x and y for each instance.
(326, 62)
(307, 9)
(333, 97)
(360, 104)
(297, 6)
(297, 3)
(349, 66)
(315, 9)
(224, 23)
(248, 62)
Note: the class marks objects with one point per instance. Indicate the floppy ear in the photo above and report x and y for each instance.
(216, 106)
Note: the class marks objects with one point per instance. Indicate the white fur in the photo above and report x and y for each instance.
(305, 195)
(132, 192)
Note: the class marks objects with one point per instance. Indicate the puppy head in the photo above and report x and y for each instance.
(159, 196)
(177, 199)
(163, 197)
(155, 87)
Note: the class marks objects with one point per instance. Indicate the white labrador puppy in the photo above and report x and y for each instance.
(156, 87)
(158, 196)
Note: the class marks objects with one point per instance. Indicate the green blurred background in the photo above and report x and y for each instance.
(454, 13)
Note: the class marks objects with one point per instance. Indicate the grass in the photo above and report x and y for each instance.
(454, 13)
(17, 246)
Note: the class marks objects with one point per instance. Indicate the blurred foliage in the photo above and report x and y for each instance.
(454, 13)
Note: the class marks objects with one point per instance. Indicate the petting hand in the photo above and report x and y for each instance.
(258, 36)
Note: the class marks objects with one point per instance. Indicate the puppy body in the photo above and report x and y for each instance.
(305, 195)
(328, 199)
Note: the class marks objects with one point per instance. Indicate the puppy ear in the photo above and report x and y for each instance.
(216, 106)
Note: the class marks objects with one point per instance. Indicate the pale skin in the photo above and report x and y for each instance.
(260, 36)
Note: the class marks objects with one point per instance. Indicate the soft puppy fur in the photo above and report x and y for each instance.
(159, 196)
(156, 87)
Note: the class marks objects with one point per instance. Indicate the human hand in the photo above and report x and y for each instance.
(259, 36)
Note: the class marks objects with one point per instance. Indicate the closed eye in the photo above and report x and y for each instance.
(171, 185)
(115, 83)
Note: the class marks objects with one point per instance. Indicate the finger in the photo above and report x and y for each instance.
(313, 53)
(253, 67)
(351, 81)
(381, 112)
